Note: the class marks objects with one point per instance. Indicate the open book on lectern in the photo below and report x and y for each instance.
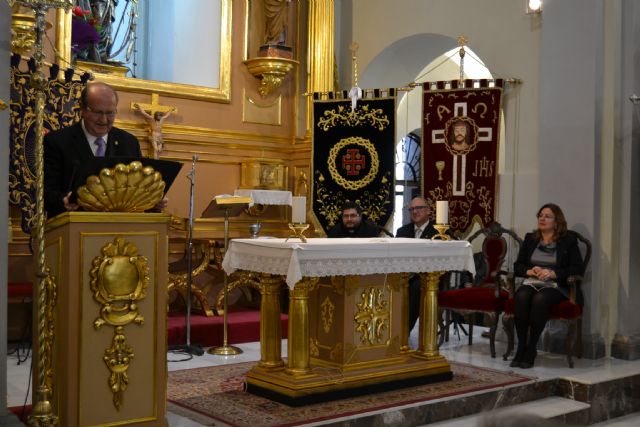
(169, 169)
(226, 204)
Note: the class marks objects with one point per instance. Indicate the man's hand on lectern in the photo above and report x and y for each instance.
(68, 205)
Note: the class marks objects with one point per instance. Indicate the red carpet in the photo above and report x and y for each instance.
(215, 395)
(243, 326)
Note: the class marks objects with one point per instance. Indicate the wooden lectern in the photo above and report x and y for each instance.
(108, 358)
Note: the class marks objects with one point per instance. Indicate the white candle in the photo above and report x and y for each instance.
(299, 210)
(442, 212)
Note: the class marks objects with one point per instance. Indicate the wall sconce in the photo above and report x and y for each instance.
(533, 6)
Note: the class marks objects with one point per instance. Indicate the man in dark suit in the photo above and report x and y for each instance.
(93, 136)
(352, 224)
(420, 227)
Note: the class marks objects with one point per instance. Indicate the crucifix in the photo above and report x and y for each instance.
(155, 115)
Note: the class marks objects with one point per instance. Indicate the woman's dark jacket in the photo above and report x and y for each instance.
(568, 260)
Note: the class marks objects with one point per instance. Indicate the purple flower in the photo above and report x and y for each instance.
(83, 35)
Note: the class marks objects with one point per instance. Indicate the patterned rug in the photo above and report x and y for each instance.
(215, 396)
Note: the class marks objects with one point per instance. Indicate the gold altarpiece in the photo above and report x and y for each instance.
(107, 306)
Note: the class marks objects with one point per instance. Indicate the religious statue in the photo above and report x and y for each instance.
(155, 128)
(276, 15)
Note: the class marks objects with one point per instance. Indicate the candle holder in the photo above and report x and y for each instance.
(298, 229)
(442, 232)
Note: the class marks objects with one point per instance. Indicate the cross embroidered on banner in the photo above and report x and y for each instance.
(461, 128)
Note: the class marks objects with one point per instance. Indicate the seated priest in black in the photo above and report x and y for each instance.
(420, 227)
(68, 148)
(352, 224)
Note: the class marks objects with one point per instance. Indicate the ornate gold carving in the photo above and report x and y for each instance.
(373, 169)
(327, 309)
(360, 116)
(125, 188)
(270, 174)
(372, 316)
(314, 347)
(117, 358)
(272, 70)
(119, 279)
(51, 300)
(336, 352)
(338, 284)
(3, 105)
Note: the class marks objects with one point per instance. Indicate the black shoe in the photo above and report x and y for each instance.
(517, 359)
(528, 360)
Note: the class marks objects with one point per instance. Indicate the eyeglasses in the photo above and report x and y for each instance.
(417, 208)
(350, 216)
(109, 114)
(540, 216)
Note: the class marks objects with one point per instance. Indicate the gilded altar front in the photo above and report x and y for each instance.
(348, 305)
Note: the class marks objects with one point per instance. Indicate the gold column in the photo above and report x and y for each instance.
(404, 326)
(298, 344)
(270, 327)
(320, 61)
(428, 343)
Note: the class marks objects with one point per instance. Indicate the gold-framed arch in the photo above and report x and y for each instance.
(178, 90)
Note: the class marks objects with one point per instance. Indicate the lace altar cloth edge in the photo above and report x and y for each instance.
(340, 257)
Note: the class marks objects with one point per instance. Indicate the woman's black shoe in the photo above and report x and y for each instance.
(529, 358)
(517, 359)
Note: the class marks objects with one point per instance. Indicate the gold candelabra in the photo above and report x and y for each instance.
(298, 231)
(442, 232)
(42, 414)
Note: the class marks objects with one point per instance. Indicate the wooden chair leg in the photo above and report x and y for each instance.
(570, 342)
(578, 351)
(507, 324)
(471, 329)
(492, 332)
(447, 325)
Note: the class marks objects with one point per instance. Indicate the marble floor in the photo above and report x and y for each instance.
(548, 366)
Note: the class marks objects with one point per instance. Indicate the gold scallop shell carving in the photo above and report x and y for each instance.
(124, 188)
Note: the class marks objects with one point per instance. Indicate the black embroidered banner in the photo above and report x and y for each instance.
(460, 149)
(61, 109)
(353, 156)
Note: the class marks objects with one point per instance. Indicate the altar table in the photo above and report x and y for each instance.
(348, 328)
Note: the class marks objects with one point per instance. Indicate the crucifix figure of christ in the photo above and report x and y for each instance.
(460, 136)
(155, 115)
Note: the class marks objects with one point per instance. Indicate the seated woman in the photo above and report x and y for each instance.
(548, 256)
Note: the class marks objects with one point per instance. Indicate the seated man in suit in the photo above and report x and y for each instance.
(66, 149)
(352, 224)
(420, 227)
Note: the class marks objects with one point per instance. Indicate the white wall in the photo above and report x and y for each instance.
(568, 135)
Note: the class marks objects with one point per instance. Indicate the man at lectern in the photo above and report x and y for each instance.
(93, 136)
(352, 224)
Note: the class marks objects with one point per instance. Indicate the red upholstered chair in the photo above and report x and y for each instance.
(488, 295)
(568, 311)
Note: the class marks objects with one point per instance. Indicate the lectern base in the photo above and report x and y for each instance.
(225, 350)
(325, 385)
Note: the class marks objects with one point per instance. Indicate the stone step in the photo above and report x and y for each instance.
(557, 408)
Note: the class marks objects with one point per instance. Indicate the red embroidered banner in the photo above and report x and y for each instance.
(460, 149)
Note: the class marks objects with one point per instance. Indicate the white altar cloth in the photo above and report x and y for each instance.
(340, 257)
(266, 197)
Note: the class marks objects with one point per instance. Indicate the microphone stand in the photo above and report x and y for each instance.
(192, 349)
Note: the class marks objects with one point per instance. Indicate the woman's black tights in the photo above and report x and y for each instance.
(532, 310)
